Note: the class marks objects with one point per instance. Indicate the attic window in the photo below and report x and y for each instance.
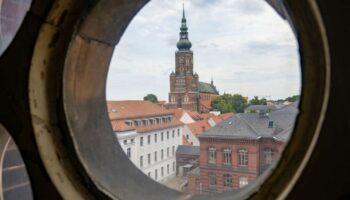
(270, 124)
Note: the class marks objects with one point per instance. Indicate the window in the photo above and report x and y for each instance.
(212, 180)
(173, 166)
(168, 169)
(167, 135)
(149, 139)
(125, 141)
(187, 136)
(132, 140)
(167, 152)
(268, 155)
(141, 161)
(161, 154)
(227, 156)
(242, 157)
(243, 181)
(186, 97)
(212, 155)
(128, 152)
(156, 174)
(270, 124)
(173, 134)
(155, 138)
(149, 174)
(173, 148)
(155, 156)
(161, 136)
(162, 171)
(178, 132)
(227, 181)
(149, 158)
(141, 141)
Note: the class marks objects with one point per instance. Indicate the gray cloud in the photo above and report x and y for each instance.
(243, 44)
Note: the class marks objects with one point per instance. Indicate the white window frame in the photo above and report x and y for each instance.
(242, 157)
(211, 155)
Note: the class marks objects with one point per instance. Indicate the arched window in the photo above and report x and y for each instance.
(242, 157)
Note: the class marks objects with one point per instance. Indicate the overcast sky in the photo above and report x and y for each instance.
(243, 44)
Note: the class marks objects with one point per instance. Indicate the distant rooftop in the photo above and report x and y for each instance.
(207, 88)
(130, 109)
(187, 150)
(277, 124)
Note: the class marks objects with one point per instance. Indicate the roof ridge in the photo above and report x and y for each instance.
(251, 127)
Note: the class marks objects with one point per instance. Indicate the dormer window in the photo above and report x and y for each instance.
(270, 124)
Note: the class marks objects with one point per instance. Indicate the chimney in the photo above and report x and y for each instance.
(203, 128)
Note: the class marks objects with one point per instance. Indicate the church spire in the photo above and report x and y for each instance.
(183, 11)
(183, 43)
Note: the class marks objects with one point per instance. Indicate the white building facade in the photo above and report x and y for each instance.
(151, 142)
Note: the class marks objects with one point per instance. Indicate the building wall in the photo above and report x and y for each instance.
(150, 148)
(256, 162)
(191, 138)
(277, 148)
(184, 159)
(208, 96)
(219, 169)
(186, 118)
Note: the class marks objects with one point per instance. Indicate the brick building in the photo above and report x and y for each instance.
(185, 89)
(238, 150)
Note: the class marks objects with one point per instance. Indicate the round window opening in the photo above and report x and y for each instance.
(220, 115)
(212, 121)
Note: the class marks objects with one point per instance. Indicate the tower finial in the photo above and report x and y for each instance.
(212, 82)
(183, 9)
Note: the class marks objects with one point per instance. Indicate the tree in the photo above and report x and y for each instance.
(239, 103)
(229, 103)
(151, 97)
(293, 98)
(257, 101)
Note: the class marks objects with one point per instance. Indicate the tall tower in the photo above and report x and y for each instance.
(184, 83)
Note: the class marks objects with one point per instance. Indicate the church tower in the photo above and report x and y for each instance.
(183, 82)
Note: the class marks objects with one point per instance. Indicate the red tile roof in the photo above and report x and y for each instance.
(226, 115)
(161, 103)
(130, 109)
(206, 103)
(195, 115)
(178, 112)
(120, 111)
(199, 127)
(217, 119)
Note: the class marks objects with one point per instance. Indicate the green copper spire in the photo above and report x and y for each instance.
(183, 43)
